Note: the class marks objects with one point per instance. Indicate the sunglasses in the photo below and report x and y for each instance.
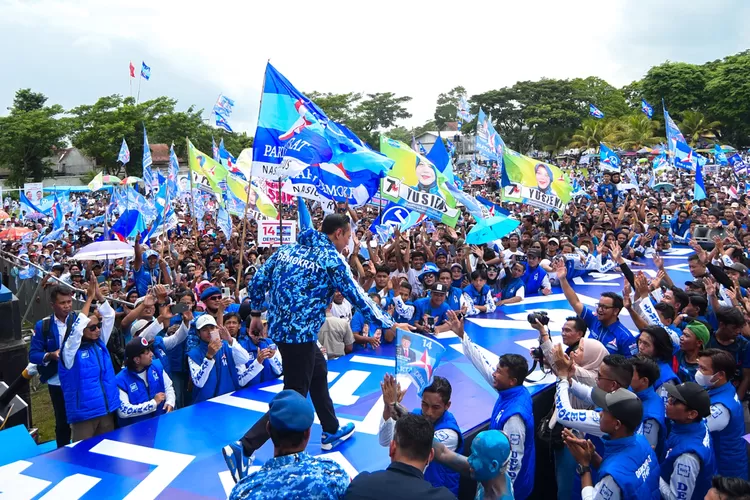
(93, 328)
(214, 297)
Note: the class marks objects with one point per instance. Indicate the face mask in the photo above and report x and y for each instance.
(704, 380)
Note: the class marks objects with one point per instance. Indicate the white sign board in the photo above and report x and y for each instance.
(33, 191)
(268, 232)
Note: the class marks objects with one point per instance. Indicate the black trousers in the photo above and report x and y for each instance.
(62, 427)
(305, 370)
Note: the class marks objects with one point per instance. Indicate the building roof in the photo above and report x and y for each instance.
(159, 153)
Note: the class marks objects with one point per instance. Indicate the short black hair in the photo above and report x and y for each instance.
(441, 386)
(666, 310)
(731, 316)
(60, 290)
(478, 274)
(413, 436)
(405, 284)
(517, 366)
(382, 269)
(663, 347)
(621, 368)
(616, 299)
(334, 222)
(580, 324)
(286, 439)
(680, 296)
(721, 361)
(233, 315)
(646, 367)
(698, 301)
(444, 270)
(416, 254)
(695, 258)
(732, 488)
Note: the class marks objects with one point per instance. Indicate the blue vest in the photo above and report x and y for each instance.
(478, 298)
(517, 401)
(252, 350)
(533, 280)
(690, 438)
(730, 450)
(223, 377)
(633, 465)
(653, 409)
(161, 356)
(510, 288)
(454, 298)
(666, 374)
(129, 382)
(437, 474)
(89, 387)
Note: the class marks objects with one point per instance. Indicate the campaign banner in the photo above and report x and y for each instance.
(33, 191)
(489, 144)
(268, 232)
(271, 188)
(417, 356)
(541, 184)
(415, 183)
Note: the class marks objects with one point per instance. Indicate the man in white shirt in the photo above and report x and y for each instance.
(341, 308)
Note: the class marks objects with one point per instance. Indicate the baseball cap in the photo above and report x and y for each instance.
(622, 404)
(136, 347)
(204, 320)
(289, 411)
(696, 283)
(735, 205)
(693, 395)
(736, 266)
(441, 251)
(440, 288)
(456, 264)
(138, 326)
(557, 242)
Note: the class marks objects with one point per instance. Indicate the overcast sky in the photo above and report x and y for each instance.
(78, 50)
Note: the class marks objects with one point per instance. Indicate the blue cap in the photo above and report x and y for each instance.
(289, 411)
(210, 291)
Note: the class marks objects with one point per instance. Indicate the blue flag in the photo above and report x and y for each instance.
(145, 71)
(608, 160)
(417, 356)
(148, 174)
(224, 106)
(293, 133)
(227, 159)
(489, 144)
(303, 214)
(124, 155)
(595, 112)
(463, 110)
(394, 215)
(27, 206)
(699, 188)
(721, 158)
(673, 135)
(224, 222)
(440, 158)
(739, 166)
(221, 122)
(58, 221)
(647, 109)
(129, 225)
(494, 208)
(333, 182)
(172, 173)
(685, 157)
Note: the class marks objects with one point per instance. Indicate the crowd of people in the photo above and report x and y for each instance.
(195, 315)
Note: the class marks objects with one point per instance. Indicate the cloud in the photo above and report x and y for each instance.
(197, 49)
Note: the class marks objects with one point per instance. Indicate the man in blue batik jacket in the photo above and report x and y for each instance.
(300, 280)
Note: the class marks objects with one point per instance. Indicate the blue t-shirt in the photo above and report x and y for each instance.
(422, 307)
(615, 337)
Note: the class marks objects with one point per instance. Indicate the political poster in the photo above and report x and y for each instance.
(540, 184)
(33, 191)
(417, 356)
(489, 144)
(268, 233)
(415, 183)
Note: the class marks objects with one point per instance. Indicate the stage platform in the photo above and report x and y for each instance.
(179, 455)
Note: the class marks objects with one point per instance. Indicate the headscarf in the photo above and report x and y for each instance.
(593, 353)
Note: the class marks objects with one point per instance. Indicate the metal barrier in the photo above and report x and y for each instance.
(33, 299)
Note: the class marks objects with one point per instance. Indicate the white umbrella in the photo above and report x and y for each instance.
(102, 250)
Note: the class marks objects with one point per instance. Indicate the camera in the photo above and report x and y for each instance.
(540, 316)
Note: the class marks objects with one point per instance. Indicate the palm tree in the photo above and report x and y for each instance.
(637, 131)
(695, 126)
(555, 141)
(592, 132)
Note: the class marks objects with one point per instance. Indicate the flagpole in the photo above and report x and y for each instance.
(192, 193)
(281, 219)
(249, 187)
(137, 99)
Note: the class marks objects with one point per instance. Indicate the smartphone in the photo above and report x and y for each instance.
(226, 292)
(179, 308)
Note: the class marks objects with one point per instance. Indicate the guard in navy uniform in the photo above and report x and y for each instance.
(629, 468)
(688, 464)
(436, 399)
(726, 422)
(291, 473)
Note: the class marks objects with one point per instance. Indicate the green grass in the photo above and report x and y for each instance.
(43, 414)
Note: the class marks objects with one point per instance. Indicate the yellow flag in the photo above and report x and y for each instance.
(97, 182)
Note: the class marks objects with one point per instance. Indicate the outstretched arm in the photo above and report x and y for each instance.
(455, 461)
(570, 294)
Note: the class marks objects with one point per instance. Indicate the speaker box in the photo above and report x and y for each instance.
(704, 236)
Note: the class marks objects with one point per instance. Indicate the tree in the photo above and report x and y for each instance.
(728, 93)
(637, 131)
(28, 137)
(555, 141)
(338, 107)
(681, 85)
(695, 126)
(447, 104)
(604, 96)
(633, 93)
(593, 132)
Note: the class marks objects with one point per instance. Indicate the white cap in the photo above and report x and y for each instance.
(138, 326)
(205, 320)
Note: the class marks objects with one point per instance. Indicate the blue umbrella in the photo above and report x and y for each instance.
(491, 229)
